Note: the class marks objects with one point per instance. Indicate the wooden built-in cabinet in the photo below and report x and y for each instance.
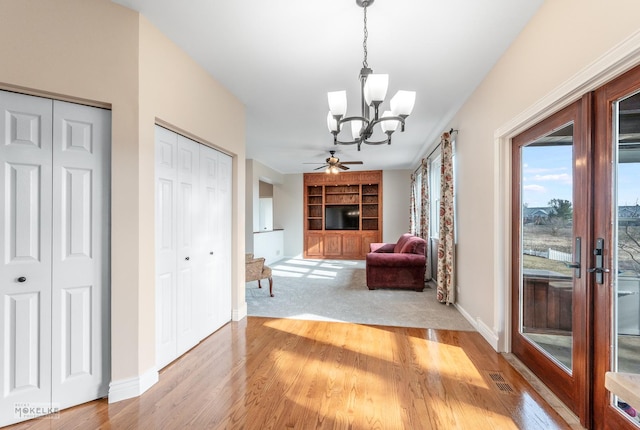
(326, 192)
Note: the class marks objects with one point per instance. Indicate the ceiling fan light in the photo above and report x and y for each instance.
(332, 124)
(356, 127)
(402, 103)
(337, 103)
(390, 125)
(375, 88)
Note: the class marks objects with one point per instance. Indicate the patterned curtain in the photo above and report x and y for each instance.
(419, 210)
(446, 269)
(424, 215)
(413, 209)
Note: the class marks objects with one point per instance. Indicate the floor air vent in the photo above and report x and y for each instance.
(501, 383)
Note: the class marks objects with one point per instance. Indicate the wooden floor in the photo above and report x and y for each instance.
(264, 373)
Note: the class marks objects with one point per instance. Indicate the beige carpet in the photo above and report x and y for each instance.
(336, 290)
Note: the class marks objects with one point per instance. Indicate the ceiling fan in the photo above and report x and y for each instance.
(333, 163)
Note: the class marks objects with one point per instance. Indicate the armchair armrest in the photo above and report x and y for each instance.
(384, 259)
(382, 247)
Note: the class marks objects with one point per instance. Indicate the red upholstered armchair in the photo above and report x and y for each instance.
(397, 265)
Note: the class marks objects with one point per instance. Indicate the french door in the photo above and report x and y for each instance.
(576, 237)
(616, 289)
(576, 243)
(551, 310)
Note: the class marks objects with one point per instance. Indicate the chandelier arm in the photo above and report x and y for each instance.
(400, 119)
(378, 142)
(354, 118)
(352, 142)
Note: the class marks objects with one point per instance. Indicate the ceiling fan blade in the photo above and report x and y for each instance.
(321, 167)
(314, 163)
(351, 162)
(342, 167)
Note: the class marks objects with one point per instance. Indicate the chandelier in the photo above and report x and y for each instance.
(373, 90)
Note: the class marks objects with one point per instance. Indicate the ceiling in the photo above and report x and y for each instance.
(280, 58)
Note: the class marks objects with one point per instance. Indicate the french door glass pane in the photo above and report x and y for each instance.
(626, 273)
(546, 245)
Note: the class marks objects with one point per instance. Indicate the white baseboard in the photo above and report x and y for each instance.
(466, 315)
(239, 313)
(487, 333)
(132, 387)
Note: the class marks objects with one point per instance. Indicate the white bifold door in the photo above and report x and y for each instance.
(54, 255)
(193, 243)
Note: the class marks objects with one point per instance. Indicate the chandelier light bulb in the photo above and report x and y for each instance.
(375, 88)
(390, 125)
(332, 124)
(337, 103)
(356, 128)
(402, 103)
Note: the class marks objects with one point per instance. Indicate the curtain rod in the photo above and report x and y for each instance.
(434, 150)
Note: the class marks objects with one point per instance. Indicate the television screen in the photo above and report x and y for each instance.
(343, 217)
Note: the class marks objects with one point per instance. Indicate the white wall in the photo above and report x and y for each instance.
(289, 212)
(396, 193)
(256, 172)
(553, 61)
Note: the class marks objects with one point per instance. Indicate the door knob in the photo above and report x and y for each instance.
(210, 252)
(22, 279)
(186, 258)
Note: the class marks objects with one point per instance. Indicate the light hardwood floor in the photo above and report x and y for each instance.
(264, 373)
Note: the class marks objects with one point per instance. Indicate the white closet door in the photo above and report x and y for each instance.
(25, 253)
(222, 246)
(188, 254)
(208, 197)
(166, 167)
(81, 153)
(215, 195)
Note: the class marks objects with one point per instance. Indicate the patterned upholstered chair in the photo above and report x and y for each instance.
(256, 270)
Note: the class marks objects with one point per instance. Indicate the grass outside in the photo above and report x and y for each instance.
(540, 263)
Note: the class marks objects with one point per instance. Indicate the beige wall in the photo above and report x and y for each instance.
(107, 55)
(396, 192)
(256, 172)
(289, 212)
(553, 55)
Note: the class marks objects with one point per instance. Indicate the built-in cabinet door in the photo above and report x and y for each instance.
(25, 252)
(54, 259)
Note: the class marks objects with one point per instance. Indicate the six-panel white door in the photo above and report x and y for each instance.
(193, 243)
(25, 253)
(215, 180)
(54, 189)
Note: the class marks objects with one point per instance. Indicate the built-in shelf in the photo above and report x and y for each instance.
(363, 189)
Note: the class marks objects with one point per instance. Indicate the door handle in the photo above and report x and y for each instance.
(22, 279)
(599, 270)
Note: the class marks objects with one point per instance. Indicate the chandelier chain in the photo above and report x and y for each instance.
(366, 35)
